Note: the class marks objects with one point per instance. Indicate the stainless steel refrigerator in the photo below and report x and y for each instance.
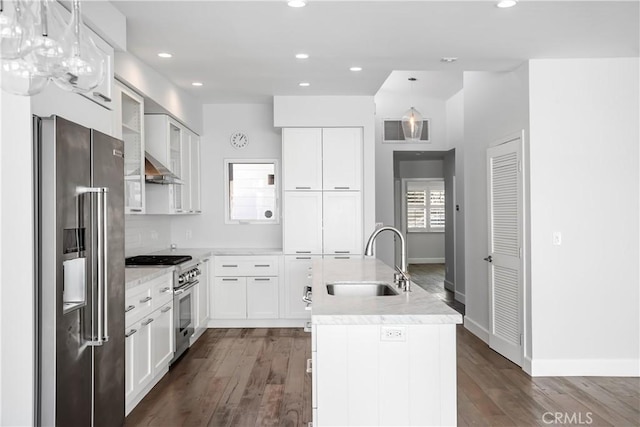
(80, 271)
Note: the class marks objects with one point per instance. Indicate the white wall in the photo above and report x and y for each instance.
(146, 233)
(495, 106)
(585, 184)
(265, 142)
(336, 111)
(390, 106)
(455, 138)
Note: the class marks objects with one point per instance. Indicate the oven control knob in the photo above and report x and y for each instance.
(180, 279)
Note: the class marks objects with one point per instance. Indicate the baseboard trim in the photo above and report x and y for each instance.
(459, 296)
(585, 367)
(425, 261)
(257, 323)
(477, 330)
(526, 365)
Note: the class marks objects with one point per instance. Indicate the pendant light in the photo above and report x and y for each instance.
(82, 69)
(412, 121)
(37, 46)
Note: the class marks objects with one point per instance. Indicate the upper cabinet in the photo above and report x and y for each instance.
(130, 112)
(103, 94)
(302, 158)
(178, 149)
(322, 159)
(341, 158)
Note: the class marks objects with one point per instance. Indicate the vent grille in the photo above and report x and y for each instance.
(506, 323)
(392, 131)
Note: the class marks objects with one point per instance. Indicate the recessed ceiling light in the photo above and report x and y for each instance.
(302, 56)
(506, 3)
(297, 3)
(164, 55)
(448, 59)
(196, 84)
(304, 84)
(355, 69)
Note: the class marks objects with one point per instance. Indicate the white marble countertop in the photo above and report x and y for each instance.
(415, 307)
(134, 276)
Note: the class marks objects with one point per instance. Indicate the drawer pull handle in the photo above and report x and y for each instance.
(131, 332)
(309, 366)
(147, 299)
(146, 322)
(105, 98)
(229, 266)
(262, 279)
(303, 188)
(303, 252)
(164, 310)
(262, 265)
(341, 188)
(135, 210)
(229, 280)
(129, 308)
(303, 257)
(342, 252)
(165, 290)
(341, 257)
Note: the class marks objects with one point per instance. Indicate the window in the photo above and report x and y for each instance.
(251, 192)
(425, 206)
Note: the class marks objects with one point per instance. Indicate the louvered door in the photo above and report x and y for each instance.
(504, 167)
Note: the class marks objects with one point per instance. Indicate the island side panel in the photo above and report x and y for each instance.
(426, 376)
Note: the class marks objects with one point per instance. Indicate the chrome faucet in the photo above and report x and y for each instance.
(402, 278)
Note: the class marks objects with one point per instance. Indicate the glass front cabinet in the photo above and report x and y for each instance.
(132, 116)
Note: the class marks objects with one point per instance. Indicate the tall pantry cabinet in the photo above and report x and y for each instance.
(322, 208)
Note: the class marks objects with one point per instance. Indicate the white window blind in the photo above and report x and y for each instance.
(425, 206)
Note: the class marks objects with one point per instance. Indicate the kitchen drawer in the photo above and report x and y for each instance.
(137, 303)
(246, 266)
(161, 291)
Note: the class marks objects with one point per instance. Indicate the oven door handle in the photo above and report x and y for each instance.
(185, 288)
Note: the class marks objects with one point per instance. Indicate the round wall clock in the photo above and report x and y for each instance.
(239, 140)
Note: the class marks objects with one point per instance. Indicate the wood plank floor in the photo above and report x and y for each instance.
(256, 377)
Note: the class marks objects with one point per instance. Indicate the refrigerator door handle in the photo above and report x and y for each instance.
(102, 333)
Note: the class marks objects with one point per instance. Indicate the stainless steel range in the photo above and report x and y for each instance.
(185, 277)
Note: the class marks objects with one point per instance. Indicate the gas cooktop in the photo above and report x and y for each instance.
(146, 260)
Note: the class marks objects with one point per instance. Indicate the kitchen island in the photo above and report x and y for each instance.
(380, 360)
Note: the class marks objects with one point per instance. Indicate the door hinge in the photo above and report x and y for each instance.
(521, 339)
(519, 166)
(519, 252)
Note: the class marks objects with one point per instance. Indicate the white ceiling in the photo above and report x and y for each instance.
(243, 51)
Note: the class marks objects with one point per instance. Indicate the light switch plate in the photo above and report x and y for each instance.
(557, 238)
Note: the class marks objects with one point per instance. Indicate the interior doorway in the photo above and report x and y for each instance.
(424, 210)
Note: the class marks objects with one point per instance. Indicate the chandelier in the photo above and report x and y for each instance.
(38, 46)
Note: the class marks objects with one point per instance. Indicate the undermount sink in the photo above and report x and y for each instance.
(360, 289)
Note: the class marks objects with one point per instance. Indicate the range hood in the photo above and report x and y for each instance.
(157, 173)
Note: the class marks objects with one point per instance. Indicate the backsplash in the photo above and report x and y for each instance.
(146, 233)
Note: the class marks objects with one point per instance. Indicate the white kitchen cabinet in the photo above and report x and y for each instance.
(302, 158)
(194, 174)
(131, 113)
(162, 336)
(262, 298)
(297, 270)
(342, 222)
(245, 287)
(149, 336)
(342, 159)
(177, 148)
(302, 227)
(103, 93)
(230, 298)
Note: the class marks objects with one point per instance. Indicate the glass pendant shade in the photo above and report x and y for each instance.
(83, 66)
(21, 77)
(16, 29)
(47, 53)
(412, 125)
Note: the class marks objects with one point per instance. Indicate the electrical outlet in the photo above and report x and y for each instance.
(557, 238)
(393, 333)
(188, 233)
